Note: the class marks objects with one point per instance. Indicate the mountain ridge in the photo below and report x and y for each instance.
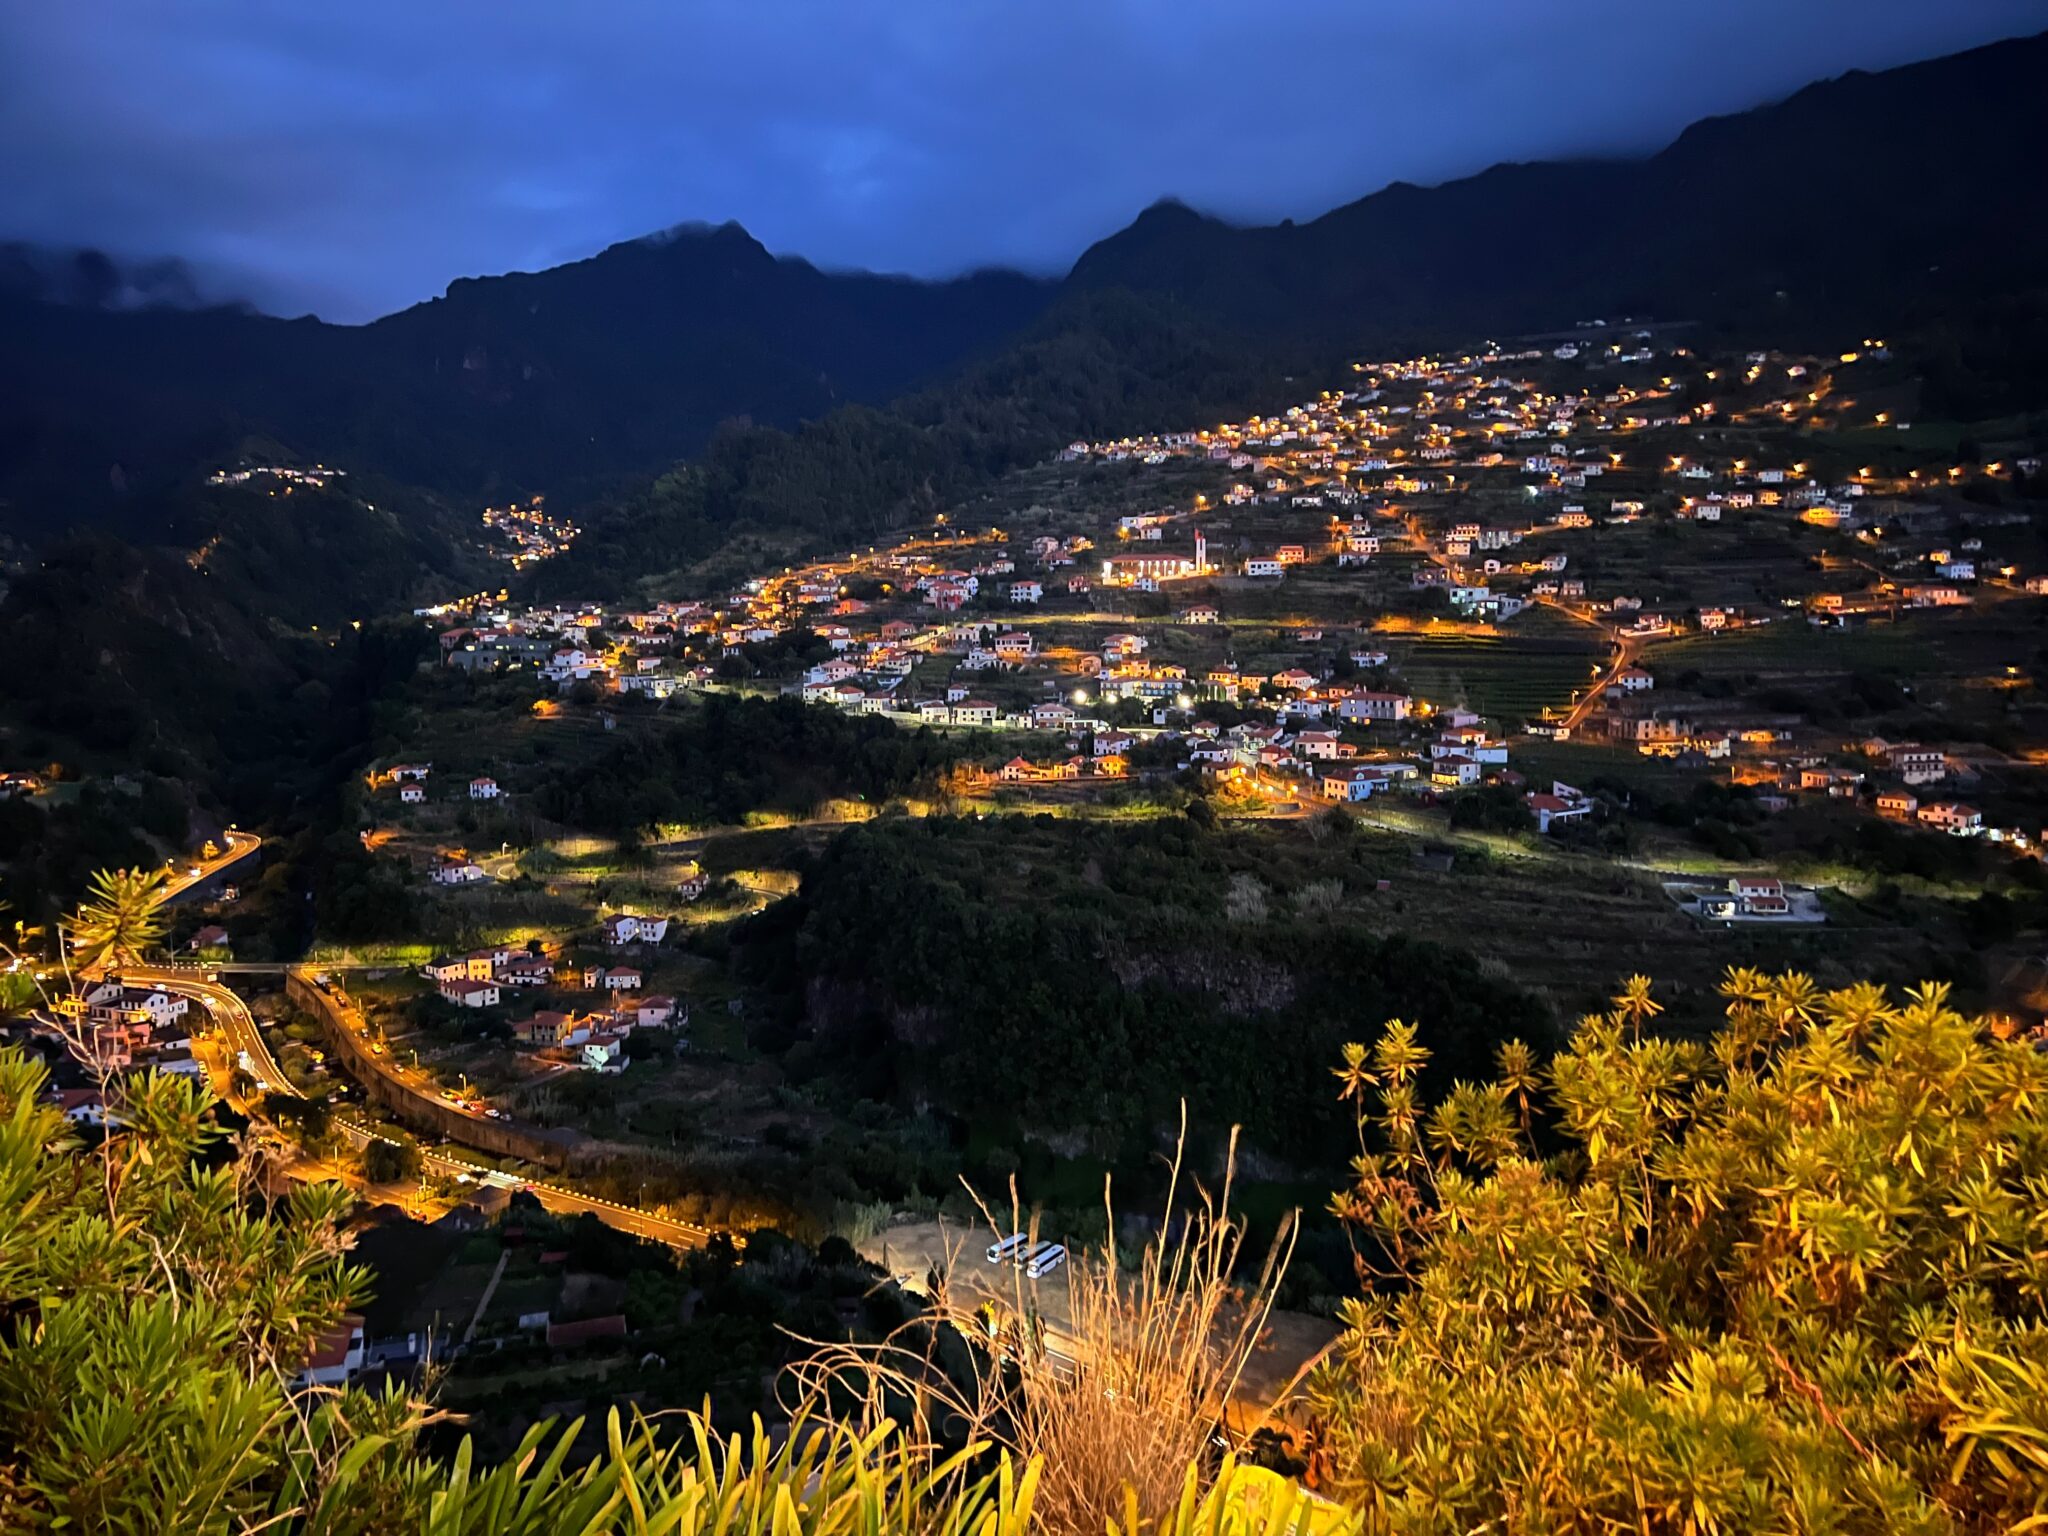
(1844, 202)
(1492, 249)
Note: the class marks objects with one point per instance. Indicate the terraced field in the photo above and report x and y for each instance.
(1508, 676)
(1945, 647)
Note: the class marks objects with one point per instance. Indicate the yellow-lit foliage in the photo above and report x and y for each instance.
(1120, 1408)
(1790, 1277)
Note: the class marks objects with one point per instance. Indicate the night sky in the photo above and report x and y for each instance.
(353, 158)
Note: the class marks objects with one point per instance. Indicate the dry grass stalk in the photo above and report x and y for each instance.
(1116, 1410)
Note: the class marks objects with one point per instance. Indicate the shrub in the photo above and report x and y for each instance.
(1788, 1278)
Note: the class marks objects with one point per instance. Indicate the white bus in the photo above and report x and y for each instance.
(1044, 1259)
(1007, 1247)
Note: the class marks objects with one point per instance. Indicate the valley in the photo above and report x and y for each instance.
(1694, 637)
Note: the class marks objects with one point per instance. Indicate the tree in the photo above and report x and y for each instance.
(1493, 808)
(1791, 1277)
(310, 1121)
(121, 918)
(390, 1162)
(142, 1390)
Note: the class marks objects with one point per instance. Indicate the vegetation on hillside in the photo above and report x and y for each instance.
(730, 757)
(1029, 973)
(1790, 1277)
(1097, 365)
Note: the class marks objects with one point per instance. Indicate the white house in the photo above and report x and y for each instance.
(1953, 818)
(465, 993)
(336, 1357)
(484, 789)
(526, 971)
(1550, 809)
(629, 928)
(161, 1006)
(1351, 783)
(1324, 745)
(656, 1012)
(1456, 771)
(1370, 704)
(1919, 765)
(1759, 895)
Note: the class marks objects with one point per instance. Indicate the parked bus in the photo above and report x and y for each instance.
(1044, 1259)
(1007, 1247)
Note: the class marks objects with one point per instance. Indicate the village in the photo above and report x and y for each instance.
(1384, 589)
(1722, 619)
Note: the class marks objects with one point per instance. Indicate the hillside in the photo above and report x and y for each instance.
(564, 378)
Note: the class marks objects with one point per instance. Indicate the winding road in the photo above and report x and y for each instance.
(238, 1030)
(230, 1015)
(237, 846)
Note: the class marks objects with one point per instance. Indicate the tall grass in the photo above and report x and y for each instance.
(1124, 1414)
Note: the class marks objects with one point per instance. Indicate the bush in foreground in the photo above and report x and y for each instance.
(1791, 1278)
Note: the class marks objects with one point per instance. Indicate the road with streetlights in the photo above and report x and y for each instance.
(237, 846)
(230, 1015)
(553, 1197)
(1626, 648)
(238, 1030)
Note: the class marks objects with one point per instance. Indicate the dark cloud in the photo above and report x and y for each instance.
(354, 158)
